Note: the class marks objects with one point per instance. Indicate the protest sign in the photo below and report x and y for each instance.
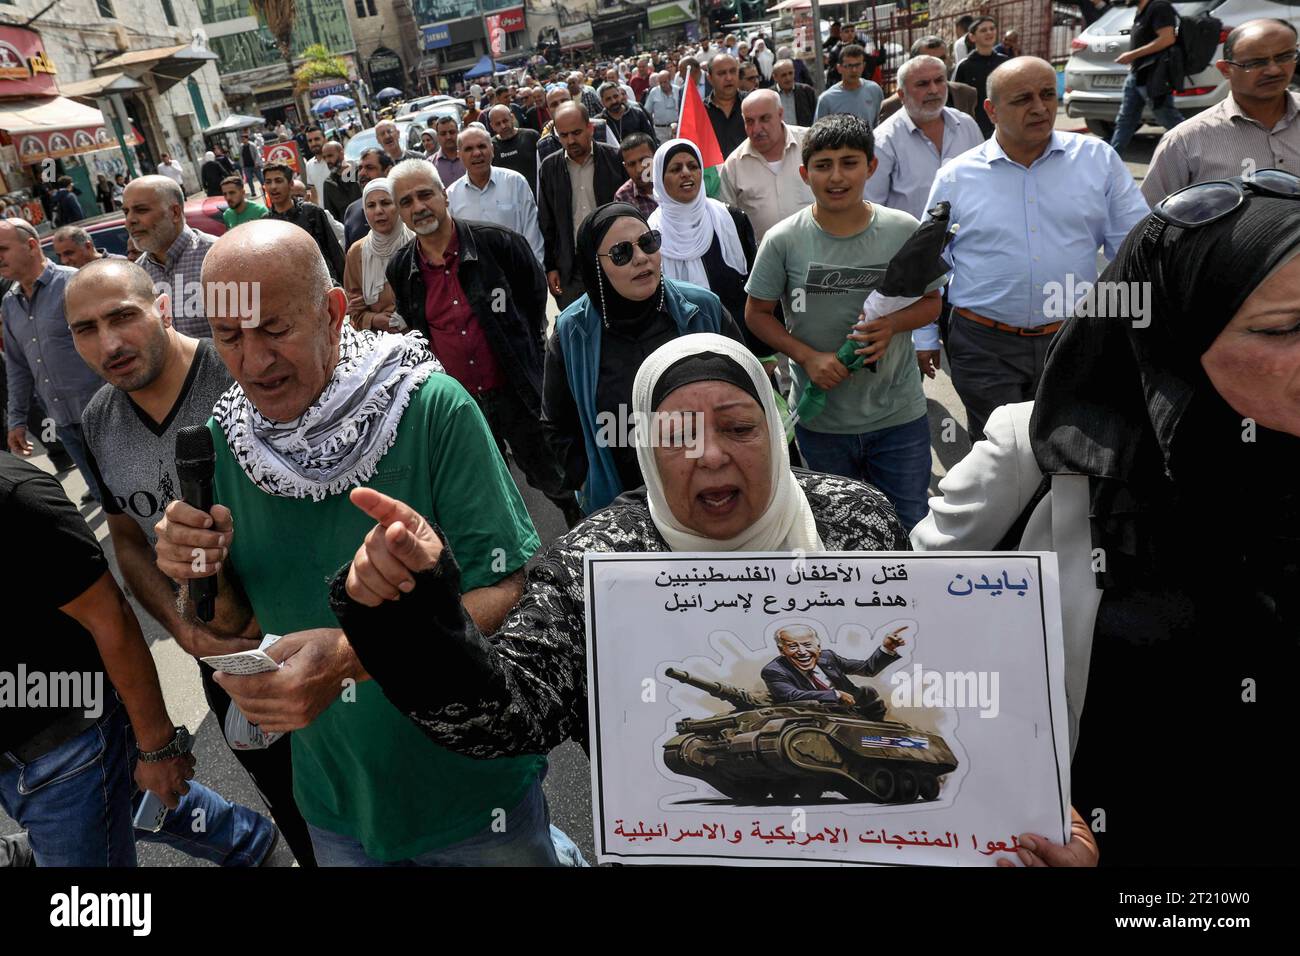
(868, 708)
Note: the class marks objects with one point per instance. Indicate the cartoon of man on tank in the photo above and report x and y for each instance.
(805, 672)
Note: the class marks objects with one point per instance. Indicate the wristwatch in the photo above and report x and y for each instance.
(179, 745)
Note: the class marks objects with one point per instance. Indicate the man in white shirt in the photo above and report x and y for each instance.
(663, 102)
(910, 147)
(488, 193)
(172, 170)
(318, 170)
(761, 176)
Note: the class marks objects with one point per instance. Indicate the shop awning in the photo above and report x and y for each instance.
(98, 86)
(233, 123)
(168, 64)
(54, 126)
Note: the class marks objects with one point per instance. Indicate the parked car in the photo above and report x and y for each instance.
(108, 232)
(424, 103)
(409, 127)
(1094, 82)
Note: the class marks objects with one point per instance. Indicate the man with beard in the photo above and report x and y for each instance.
(910, 147)
(341, 188)
(160, 381)
(621, 118)
(155, 218)
(278, 179)
(303, 376)
(239, 208)
(477, 291)
(317, 170)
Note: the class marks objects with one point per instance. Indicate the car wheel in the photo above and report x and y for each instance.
(1103, 128)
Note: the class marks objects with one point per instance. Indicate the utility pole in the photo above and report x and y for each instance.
(819, 72)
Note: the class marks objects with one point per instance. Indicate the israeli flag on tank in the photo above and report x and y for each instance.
(907, 743)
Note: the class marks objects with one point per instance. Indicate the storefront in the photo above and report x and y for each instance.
(619, 35)
(385, 69)
(450, 49)
(576, 37)
(668, 23)
(44, 135)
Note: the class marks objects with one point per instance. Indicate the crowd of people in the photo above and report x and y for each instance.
(399, 353)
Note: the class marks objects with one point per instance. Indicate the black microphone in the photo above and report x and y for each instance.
(196, 460)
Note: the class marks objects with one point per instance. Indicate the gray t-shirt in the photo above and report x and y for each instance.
(863, 102)
(132, 456)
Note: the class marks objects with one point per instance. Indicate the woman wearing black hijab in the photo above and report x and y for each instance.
(1177, 423)
(628, 311)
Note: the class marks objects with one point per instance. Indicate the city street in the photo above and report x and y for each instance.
(568, 783)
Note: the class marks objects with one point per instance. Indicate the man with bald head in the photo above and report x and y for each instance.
(571, 184)
(390, 138)
(762, 176)
(1035, 204)
(40, 361)
(320, 412)
(489, 192)
(154, 207)
(723, 102)
(514, 148)
(663, 104)
(1257, 126)
(160, 381)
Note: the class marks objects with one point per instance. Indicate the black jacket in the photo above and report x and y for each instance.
(310, 217)
(633, 120)
(339, 194)
(805, 105)
(491, 258)
(555, 203)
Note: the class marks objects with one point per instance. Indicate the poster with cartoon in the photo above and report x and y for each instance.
(867, 708)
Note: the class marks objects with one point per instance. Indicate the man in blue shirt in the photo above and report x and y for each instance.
(40, 358)
(1034, 205)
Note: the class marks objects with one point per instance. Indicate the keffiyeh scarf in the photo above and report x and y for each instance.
(337, 443)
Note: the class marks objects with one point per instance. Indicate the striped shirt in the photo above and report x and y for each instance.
(1220, 143)
(179, 272)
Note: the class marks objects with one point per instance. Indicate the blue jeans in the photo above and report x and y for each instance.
(896, 460)
(72, 440)
(77, 802)
(1130, 113)
(527, 840)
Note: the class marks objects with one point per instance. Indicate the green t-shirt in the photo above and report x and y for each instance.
(362, 768)
(252, 210)
(836, 273)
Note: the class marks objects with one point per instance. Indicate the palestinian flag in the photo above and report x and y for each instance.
(694, 124)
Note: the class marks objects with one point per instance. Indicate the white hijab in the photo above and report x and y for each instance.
(688, 228)
(787, 524)
(376, 250)
(763, 57)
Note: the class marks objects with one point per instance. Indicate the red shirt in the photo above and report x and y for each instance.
(455, 335)
(640, 86)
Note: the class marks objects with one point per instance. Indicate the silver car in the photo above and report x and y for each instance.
(1094, 82)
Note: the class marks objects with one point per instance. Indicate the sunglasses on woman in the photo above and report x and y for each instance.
(1203, 203)
(620, 253)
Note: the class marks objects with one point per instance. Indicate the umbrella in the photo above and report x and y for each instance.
(484, 67)
(331, 104)
(235, 121)
(917, 263)
(388, 93)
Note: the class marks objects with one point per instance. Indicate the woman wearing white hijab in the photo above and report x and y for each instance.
(705, 242)
(728, 488)
(371, 303)
(764, 59)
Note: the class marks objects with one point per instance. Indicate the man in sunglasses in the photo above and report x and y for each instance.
(1255, 127)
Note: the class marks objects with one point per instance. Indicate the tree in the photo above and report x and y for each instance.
(280, 16)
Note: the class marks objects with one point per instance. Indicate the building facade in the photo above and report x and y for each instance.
(253, 74)
(144, 64)
(387, 42)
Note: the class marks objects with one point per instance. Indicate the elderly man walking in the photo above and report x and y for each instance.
(1034, 204)
(762, 176)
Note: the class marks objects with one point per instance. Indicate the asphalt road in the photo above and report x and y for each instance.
(568, 783)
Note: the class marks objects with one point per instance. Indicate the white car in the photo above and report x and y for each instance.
(1094, 82)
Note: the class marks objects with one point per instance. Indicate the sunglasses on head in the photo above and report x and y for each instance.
(1203, 203)
(620, 253)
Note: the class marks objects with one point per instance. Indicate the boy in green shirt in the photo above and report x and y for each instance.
(239, 209)
(820, 264)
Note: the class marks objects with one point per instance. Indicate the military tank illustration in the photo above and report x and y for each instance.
(766, 753)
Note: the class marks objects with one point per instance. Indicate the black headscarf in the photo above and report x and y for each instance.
(613, 307)
(1134, 409)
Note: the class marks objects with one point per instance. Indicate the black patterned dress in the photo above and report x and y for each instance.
(524, 689)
